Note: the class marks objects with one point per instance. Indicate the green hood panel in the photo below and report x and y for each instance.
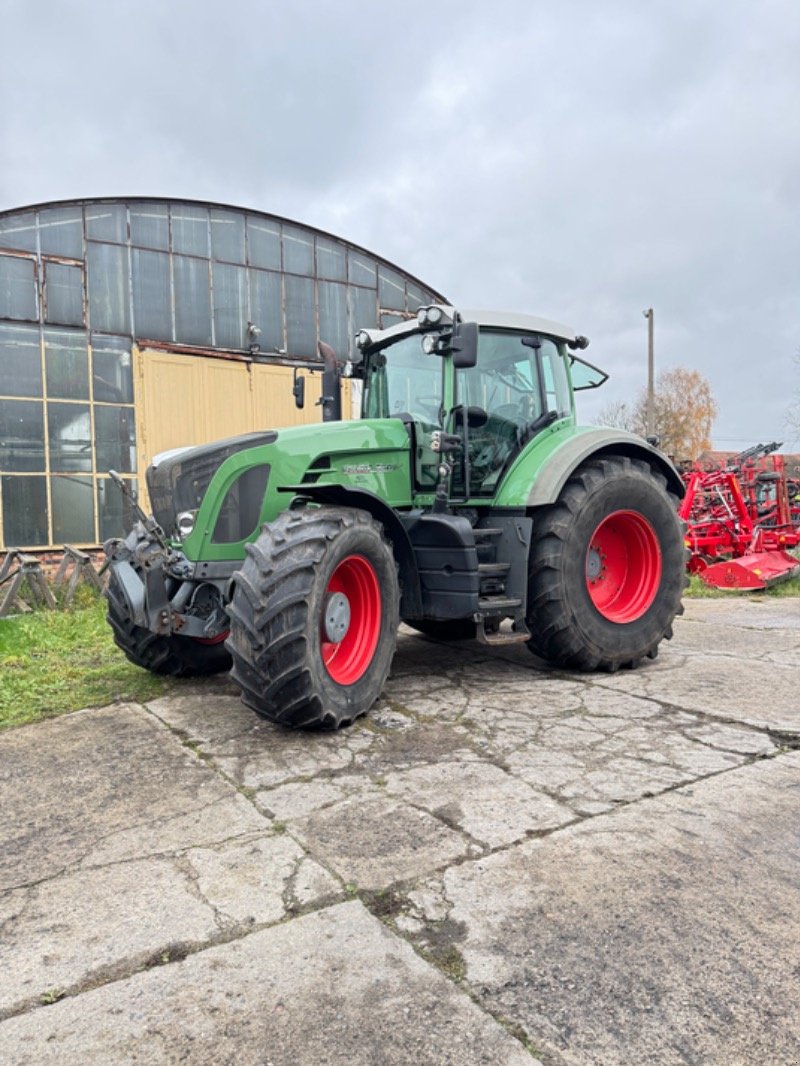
(370, 454)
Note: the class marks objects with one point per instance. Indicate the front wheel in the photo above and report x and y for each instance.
(314, 614)
(607, 568)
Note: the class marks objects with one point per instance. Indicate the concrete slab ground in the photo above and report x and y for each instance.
(500, 864)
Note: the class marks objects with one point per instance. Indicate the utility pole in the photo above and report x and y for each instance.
(650, 411)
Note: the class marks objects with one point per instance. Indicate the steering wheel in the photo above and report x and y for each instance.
(511, 412)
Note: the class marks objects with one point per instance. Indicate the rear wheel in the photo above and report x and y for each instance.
(170, 655)
(607, 568)
(314, 616)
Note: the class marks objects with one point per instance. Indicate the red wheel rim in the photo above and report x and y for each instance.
(623, 566)
(347, 660)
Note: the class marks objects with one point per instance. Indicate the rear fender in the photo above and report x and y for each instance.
(548, 475)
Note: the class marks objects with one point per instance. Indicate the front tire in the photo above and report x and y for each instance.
(607, 568)
(314, 614)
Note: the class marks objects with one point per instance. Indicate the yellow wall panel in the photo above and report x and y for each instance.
(274, 404)
(225, 398)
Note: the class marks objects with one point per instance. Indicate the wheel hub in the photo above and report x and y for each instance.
(594, 564)
(336, 621)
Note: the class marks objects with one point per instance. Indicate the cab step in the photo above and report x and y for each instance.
(498, 604)
(501, 637)
(493, 569)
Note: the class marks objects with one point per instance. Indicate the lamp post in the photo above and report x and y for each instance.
(650, 414)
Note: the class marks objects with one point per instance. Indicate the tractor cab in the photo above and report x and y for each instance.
(475, 388)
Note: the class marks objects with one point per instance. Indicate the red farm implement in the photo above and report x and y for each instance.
(741, 522)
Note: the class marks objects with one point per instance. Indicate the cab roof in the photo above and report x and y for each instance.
(486, 320)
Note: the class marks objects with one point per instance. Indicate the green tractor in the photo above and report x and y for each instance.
(465, 502)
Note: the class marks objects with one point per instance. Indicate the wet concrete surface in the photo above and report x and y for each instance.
(499, 864)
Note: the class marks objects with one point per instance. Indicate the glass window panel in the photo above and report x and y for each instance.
(61, 231)
(333, 317)
(112, 377)
(66, 357)
(63, 296)
(18, 231)
(152, 303)
(227, 236)
(361, 270)
(150, 226)
(20, 361)
(114, 510)
(301, 326)
(418, 297)
(331, 259)
(72, 509)
(391, 290)
(24, 512)
(70, 433)
(263, 243)
(265, 309)
(363, 309)
(107, 222)
(390, 320)
(21, 435)
(298, 250)
(115, 439)
(18, 288)
(192, 300)
(230, 306)
(108, 288)
(190, 229)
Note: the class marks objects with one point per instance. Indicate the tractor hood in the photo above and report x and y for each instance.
(177, 480)
(224, 492)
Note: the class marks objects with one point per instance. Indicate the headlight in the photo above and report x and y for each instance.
(430, 316)
(362, 339)
(429, 343)
(185, 523)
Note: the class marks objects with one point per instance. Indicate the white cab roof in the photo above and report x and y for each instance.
(488, 320)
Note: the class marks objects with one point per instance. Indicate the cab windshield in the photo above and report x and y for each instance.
(402, 380)
(518, 386)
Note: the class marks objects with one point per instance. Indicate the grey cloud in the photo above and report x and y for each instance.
(581, 160)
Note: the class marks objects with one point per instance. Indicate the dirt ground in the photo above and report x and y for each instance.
(500, 864)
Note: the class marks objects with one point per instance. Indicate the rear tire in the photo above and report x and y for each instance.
(169, 655)
(314, 614)
(607, 568)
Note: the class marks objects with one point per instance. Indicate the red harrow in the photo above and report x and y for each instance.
(742, 521)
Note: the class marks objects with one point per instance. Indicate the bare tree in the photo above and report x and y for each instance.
(618, 414)
(793, 412)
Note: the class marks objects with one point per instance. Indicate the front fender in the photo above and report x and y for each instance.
(540, 472)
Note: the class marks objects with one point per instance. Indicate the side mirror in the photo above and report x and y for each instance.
(464, 345)
(299, 388)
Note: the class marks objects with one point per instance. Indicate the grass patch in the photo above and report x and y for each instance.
(52, 662)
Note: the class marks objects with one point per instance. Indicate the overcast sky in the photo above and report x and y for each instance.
(577, 159)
